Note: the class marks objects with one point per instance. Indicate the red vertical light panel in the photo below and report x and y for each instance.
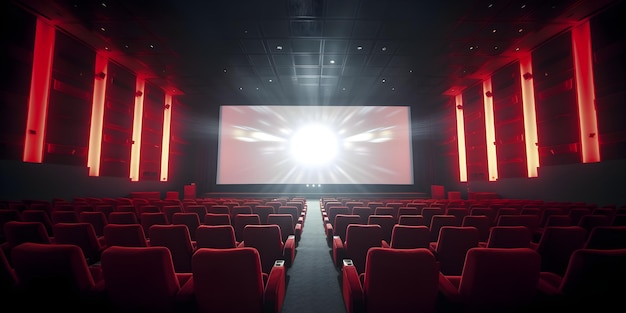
(585, 90)
(530, 116)
(490, 132)
(460, 132)
(41, 76)
(165, 144)
(137, 124)
(97, 114)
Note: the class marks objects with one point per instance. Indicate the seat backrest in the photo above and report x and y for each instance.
(385, 210)
(177, 239)
(217, 219)
(334, 210)
(64, 217)
(558, 220)
(289, 209)
(400, 280)
(556, 245)
(140, 278)
(189, 219)
(407, 210)
(486, 211)
(43, 270)
(341, 224)
(123, 218)
(38, 216)
(596, 275)
(415, 220)
(228, 280)
(153, 218)
(509, 237)
(80, 234)
(215, 236)
(409, 237)
(460, 213)
(219, 209)
(529, 220)
(547, 212)
(500, 278)
(284, 222)
(363, 212)
(386, 223)
(267, 240)
(169, 211)
(607, 237)
(199, 209)
(359, 238)
(97, 219)
(452, 245)
(17, 232)
(481, 222)
(437, 221)
(126, 235)
(591, 221)
(428, 213)
(577, 213)
(263, 211)
(239, 209)
(241, 221)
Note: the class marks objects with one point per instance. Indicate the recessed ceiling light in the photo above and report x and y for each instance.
(383, 48)
(332, 61)
(152, 46)
(517, 49)
(103, 4)
(471, 47)
(523, 6)
(225, 70)
(490, 5)
(393, 88)
(384, 80)
(102, 29)
(257, 88)
(359, 47)
(496, 48)
(520, 30)
(410, 71)
(126, 46)
(106, 48)
(270, 80)
(344, 88)
(240, 88)
(245, 31)
(494, 30)
(279, 47)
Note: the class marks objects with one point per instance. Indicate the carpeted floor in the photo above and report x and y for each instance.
(313, 280)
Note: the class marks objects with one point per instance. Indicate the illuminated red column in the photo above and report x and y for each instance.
(41, 76)
(135, 151)
(97, 115)
(530, 116)
(460, 134)
(585, 90)
(165, 144)
(490, 132)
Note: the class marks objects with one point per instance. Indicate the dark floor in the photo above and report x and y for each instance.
(313, 284)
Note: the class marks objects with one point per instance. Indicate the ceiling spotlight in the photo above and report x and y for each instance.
(151, 46)
(359, 47)
(517, 49)
(270, 80)
(384, 80)
(225, 70)
(257, 88)
(393, 88)
(496, 48)
(279, 47)
(240, 88)
(344, 88)
(332, 61)
(126, 46)
(471, 47)
(520, 30)
(410, 71)
(494, 30)
(106, 48)
(523, 6)
(103, 4)
(383, 48)
(102, 29)
(490, 5)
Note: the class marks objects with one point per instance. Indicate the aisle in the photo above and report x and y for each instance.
(313, 280)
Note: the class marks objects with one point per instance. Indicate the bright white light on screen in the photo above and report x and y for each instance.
(314, 145)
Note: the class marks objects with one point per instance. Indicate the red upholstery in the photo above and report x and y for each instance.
(217, 219)
(64, 217)
(149, 219)
(409, 237)
(169, 211)
(359, 238)
(495, 280)
(428, 213)
(215, 236)
(231, 280)
(199, 209)
(437, 221)
(340, 225)
(557, 244)
(54, 274)
(386, 223)
(142, 279)
(414, 220)
(82, 235)
(18, 232)
(480, 222)
(363, 212)
(123, 218)
(126, 235)
(451, 247)
(594, 280)
(607, 237)
(394, 281)
(293, 210)
(241, 221)
(509, 237)
(284, 222)
(38, 216)
(188, 219)
(97, 219)
(176, 238)
(239, 209)
(268, 241)
(263, 211)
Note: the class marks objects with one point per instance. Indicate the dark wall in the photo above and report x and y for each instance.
(31, 181)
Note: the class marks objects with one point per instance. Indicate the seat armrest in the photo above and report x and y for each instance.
(329, 231)
(384, 244)
(186, 296)
(449, 290)
(298, 232)
(338, 251)
(275, 288)
(240, 244)
(289, 250)
(351, 288)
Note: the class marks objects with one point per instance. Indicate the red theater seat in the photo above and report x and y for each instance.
(178, 240)
(393, 281)
(232, 280)
(268, 241)
(216, 236)
(359, 238)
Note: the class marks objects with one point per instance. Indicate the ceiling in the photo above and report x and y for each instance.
(330, 52)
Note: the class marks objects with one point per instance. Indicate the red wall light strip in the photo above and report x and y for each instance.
(585, 90)
(490, 132)
(137, 124)
(165, 145)
(460, 132)
(41, 76)
(530, 116)
(97, 115)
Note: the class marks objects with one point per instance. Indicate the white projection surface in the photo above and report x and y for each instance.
(315, 145)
